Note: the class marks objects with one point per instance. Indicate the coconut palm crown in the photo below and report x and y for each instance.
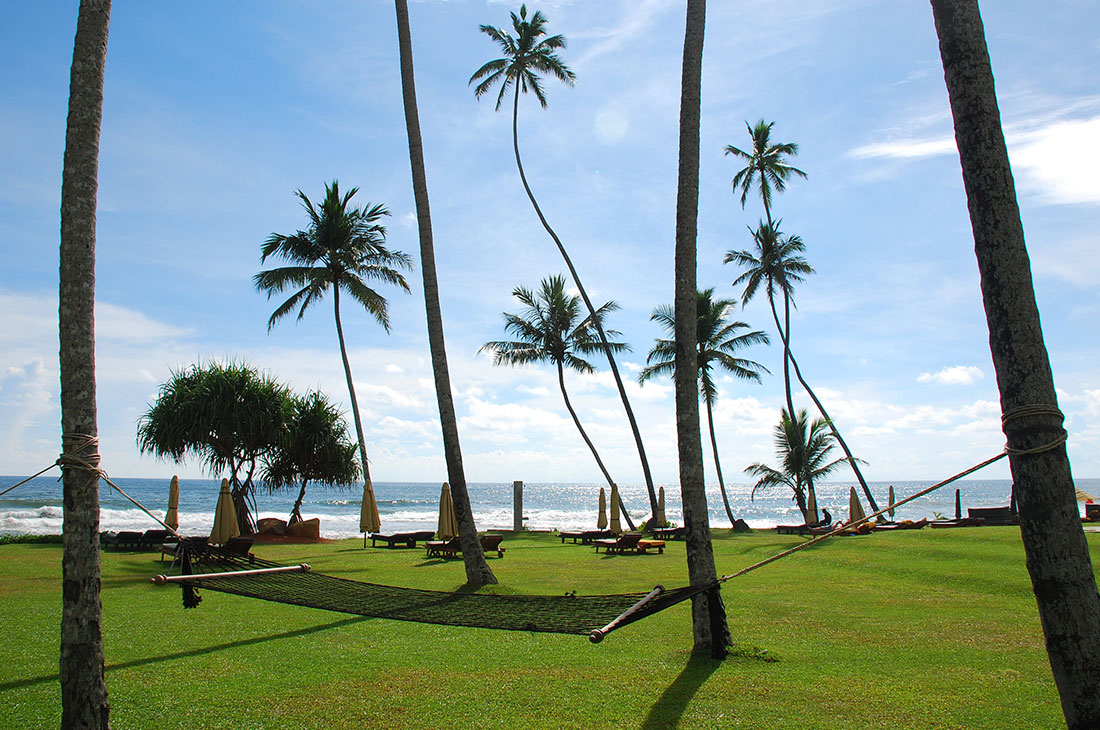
(765, 165)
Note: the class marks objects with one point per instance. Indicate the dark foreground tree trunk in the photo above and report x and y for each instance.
(478, 572)
(1057, 553)
(709, 628)
(83, 690)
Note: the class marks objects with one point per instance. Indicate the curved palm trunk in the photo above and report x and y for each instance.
(1057, 553)
(351, 383)
(83, 690)
(717, 463)
(798, 445)
(296, 510)
(591, 311)
(478, 572)
(591, 446)
(709, 628)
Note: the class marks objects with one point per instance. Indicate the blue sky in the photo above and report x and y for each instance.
(215, 113)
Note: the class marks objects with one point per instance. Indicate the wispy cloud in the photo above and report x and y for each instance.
(952, 375)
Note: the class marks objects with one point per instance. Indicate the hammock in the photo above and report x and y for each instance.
(205, 566)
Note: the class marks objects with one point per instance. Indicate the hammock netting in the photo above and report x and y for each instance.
(566, 614)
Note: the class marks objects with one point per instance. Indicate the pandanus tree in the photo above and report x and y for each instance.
(709, 628)
(526, 55)
(341, 250)
(551, 329)
(84, 701)
(1057, 552)
(317, 449)
(478, 572)
(228, 416)
(803, 449)
(718, 338)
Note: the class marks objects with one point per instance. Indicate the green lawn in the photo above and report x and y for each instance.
(929, 629)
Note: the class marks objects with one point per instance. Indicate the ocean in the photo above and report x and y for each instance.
(36, 507)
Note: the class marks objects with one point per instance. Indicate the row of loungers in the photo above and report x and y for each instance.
(126, 540)
(628, 542)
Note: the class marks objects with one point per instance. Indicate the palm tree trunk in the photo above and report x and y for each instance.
(478, 572)
(1057, 553)
(836, 435)
(591, 446)
(83, 690)
(709, 629)
(717, 463)
(296, 510)
(351, 383)
(591, 311)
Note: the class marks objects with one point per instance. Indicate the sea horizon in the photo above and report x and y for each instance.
(36, 507)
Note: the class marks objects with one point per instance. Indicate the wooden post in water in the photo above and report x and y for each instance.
(517, 500)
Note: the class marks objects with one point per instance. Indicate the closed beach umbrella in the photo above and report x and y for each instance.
(601, 521)
(172, 516)
(958, 504)
(811, 507)
(225, 517)
(368, 512)
(855, 509)
(890, 510)
(616, 523)
(448, 523)
(661, 508)
(1083, 496)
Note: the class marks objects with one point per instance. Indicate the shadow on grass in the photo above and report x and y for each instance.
(20, 683)
(669, 707)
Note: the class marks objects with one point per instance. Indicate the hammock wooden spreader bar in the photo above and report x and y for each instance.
(624, 618)
(162, 580)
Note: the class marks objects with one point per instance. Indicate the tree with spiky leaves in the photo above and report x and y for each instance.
(478, 572)
(83, 689)
(317, 449)
(803, 449)
(527, 54)
(342, 249)
(1057, 552)
(717, 339)
(551, 329)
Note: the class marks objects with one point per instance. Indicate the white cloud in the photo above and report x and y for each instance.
(953, 375)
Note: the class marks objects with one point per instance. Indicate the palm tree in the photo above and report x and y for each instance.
(551, 329)
(342, 247)
(316, 449)
(717, 339)
(765, 165)
(228, 415)
(777, 263)
(709, 628)
(1057, 553)
(525, 56)
(478, 572)
(83, 690)
(803, 453)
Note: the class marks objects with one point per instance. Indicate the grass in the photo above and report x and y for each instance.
(931, 629)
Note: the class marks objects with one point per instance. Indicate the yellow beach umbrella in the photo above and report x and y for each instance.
(225, 517)
(172, 516)
(616, 523)
(660, 516)
(448, 523)
(601, 521)
(1083, 496)
(811, 507)
(855, 509)
(368, 512)
(890, 509)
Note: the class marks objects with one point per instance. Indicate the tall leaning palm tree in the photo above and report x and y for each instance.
(717, 339)
(1057, 553)
(765, 165)
(83, 690)
(709, 628)
(525, 56)
(551, 329)
(342, 249)
(478, 572)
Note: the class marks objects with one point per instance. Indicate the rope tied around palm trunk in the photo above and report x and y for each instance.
(1038, 409)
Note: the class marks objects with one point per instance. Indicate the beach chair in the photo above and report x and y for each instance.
(241, 545)
(625, 543)
(489, 543)
(443, 548)
(397, 539)
(669, 533)
(585, 536)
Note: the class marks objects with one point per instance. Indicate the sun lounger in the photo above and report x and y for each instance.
(669, 533)
(241, 545)
(124, 540)
(792, 529)
(627, 543)
(401, 539)
(903, 525)
(585, 536)
(993, 515)
(964, 522)
(451, 548)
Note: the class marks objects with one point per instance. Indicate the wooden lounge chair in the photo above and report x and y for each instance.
(401, 539)
(241, 545)
(669, 533)
(586, 536)
(993, 515)
(964, 522)
(451, 548)
(124, 540)
(625, 543)
(792, 529)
